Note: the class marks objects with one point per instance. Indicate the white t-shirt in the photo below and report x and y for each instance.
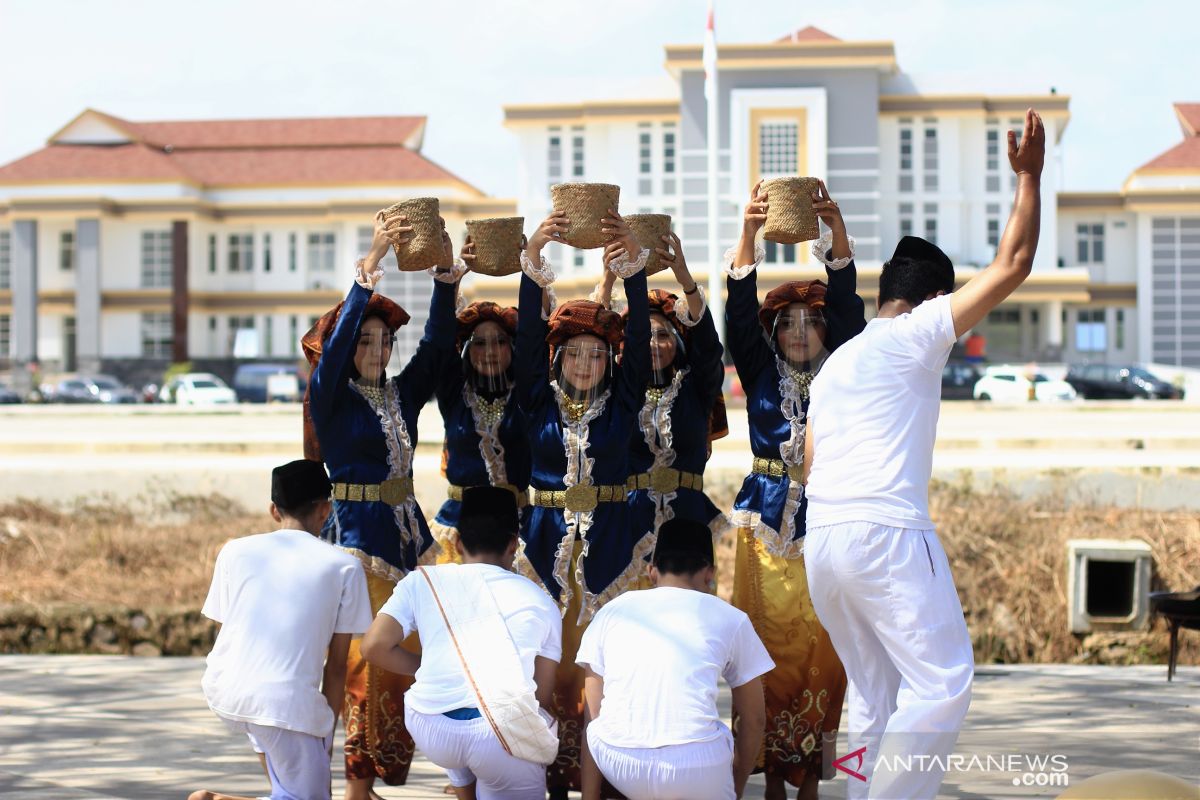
(660, 652)
(280, 597)
(532, 619)
(874, 413)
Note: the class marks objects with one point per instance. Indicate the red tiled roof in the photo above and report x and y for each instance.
(1185, 155)
(1189, 118)
(301, 165)
(809, 34)
(93, 162)
(327, 132)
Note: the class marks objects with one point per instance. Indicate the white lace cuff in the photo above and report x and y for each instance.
(623, 268)
(365, 279)
(549, 290)
(451, 275)
(543, 274)
(737, 273)
(821, 248)
(684, 313)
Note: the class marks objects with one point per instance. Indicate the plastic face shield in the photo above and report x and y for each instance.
(487, 361)
(583, 369)
(372, 354)
(799, 337)
(666, 350)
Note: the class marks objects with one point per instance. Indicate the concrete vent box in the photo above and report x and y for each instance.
(1108, 584)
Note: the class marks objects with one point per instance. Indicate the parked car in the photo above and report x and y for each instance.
(92, 389)
(1119, 382)
(1007, 384)
(8, 396)
(198, 389)
(268, 383)
(958, 380)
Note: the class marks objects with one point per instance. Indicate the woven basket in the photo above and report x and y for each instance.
(649, 230)
(424, 250)
(585, 204)
(790, 215)
(498, 244)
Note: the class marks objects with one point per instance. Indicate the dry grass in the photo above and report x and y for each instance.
(1008, 557)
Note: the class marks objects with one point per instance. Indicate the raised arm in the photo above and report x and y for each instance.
(1014, 255)
(836, 250)
(531, 355)
(629, 263)
(750, 351)
(705, 352)
(421, 375)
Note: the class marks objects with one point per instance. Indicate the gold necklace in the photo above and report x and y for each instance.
(654, 395)
(575, 408)
(490, 411)
(803, 380)
(374, 394)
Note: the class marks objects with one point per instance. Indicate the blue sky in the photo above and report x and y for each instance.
(459, 61)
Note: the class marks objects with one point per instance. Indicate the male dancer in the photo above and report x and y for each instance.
(490, 644)
(879, 580)
(651, 662)
(288, 604)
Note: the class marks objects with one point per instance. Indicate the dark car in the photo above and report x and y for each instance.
(1119, 382)
(958, 380)
(92, 389)
(268, 383)
(8, 396)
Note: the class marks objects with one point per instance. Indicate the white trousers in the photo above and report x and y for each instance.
(888, 601)
(694, 771)
(297, 763)
(470, 753)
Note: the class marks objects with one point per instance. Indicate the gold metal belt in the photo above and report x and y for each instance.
(456, 492)
(775, 468)
(666, 479)
(580, 498)
(393, 491)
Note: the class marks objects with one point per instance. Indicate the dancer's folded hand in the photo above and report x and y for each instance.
(1029, 156)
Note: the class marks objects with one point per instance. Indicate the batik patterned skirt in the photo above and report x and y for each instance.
(804, 692)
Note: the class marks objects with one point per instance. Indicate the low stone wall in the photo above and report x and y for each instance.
(68, 628)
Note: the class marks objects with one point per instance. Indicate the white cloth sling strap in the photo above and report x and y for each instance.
(506, 697)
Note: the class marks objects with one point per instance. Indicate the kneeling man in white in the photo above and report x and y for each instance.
(651, 663)
(490, 645)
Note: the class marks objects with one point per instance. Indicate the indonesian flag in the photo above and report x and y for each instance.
(710, 58)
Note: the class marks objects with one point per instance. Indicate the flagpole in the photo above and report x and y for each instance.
(716, 294)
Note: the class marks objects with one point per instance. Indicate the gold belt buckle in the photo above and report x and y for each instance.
(580, 498)
(795, 474)
(394, 491)
(664, 479)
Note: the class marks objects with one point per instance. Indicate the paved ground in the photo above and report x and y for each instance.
(88, 727)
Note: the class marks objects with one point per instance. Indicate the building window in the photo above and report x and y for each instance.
(5, 335)
(906, 155)
(241, 252)
(577, 151)
(993, 224)
(156, 334)
(929, 156)
(1090, 331)
(268, 335)
(645, 159)
(322, 252)
(266, 252)
(905, 216)
(931, 223)
(779, 253)
(66, 250)
(1089, 238)
(293, 335)
(668, 163)
(777, 143)
(992, 166)
(5, 260)
(1120, 329)
(292, 257)
(156, 259)
(212, 252)
(554, 156)
(236, 324)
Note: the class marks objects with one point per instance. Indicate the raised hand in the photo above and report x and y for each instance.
(467, 254)
(671, 255)
(551, 230)
(447, 250)
(755, 214)
(617, 229)
(612, 251)
(388, 233)
(831, 215)
(1029, 156)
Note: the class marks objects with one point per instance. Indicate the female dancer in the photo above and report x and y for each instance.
(581, 409)
(777, 348)
(364, 428)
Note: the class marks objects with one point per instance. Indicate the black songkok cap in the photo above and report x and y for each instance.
(489, 506)
(299, 483)
(686, 536)
(919, 249)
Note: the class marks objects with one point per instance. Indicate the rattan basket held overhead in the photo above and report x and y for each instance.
(790, 215)
(649, 230)
(424, 250)
(498, 245)
(585, 205)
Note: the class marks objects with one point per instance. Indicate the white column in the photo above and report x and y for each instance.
(1053, 346)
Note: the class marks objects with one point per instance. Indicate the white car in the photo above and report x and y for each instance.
(198, 389)
(1018, 385)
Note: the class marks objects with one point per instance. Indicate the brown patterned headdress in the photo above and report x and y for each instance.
(313, 342)
(484, 311)
(811, 293)
(584, 316)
